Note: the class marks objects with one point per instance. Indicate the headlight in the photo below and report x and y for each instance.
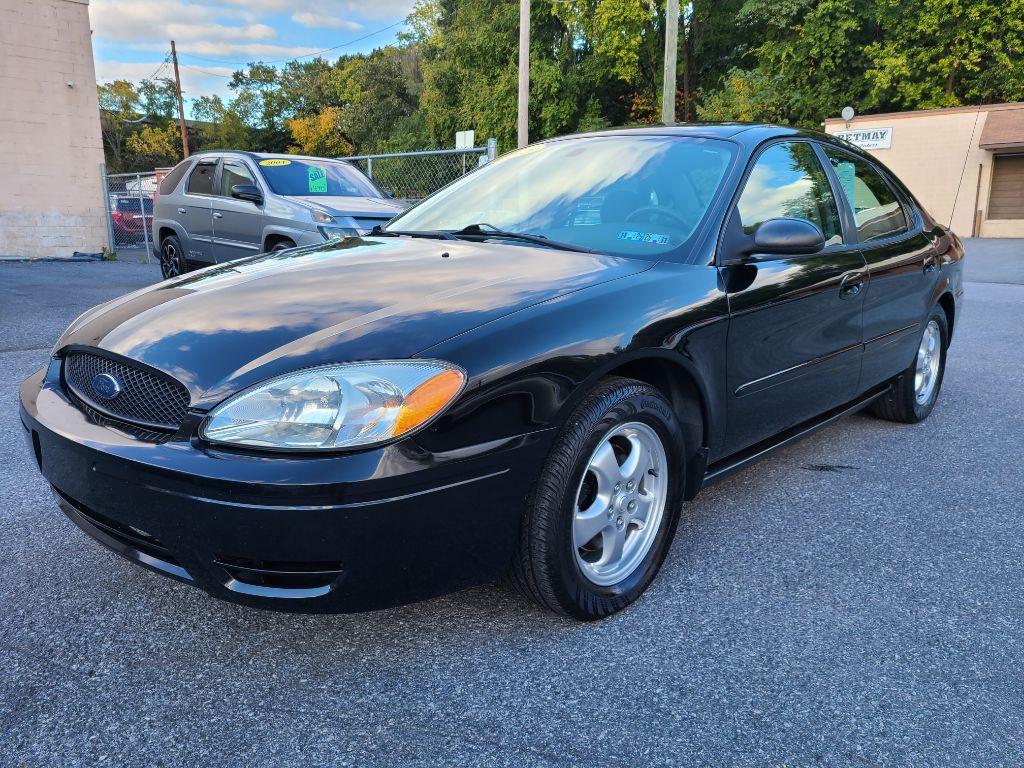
(337, 406)
(337, 233)
(320, 217)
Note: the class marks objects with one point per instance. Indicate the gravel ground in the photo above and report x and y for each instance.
(854, 600)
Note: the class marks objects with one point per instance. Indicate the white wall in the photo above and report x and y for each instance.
(51, 193)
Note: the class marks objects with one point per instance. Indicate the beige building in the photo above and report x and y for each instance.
(965, 164)
(51, 190)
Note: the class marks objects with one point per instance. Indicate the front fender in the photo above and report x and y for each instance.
(529, 369)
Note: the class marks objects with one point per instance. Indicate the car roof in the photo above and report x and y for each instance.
(259, 155)
(749, 135)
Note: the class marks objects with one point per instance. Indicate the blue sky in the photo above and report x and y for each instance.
(132, 37)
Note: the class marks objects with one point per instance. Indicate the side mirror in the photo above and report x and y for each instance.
(247, 192)
(787, 237)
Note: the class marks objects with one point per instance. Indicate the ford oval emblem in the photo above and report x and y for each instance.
(106, 386)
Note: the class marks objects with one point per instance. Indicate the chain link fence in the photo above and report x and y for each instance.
(412, 176)
(129, 204)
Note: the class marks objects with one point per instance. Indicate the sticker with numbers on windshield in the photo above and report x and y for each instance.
(274, 161)
(635, 236)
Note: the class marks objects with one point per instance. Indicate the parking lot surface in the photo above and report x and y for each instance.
(857, 599)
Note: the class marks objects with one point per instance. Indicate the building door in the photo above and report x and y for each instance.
(1006, 200)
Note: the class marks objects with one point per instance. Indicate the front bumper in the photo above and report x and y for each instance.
(339, 533)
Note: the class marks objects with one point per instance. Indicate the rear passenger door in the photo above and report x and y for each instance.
(237, 224)
(195, 214)
(901, 263)
(794, 345)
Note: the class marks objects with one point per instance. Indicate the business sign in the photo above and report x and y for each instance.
(868, 138)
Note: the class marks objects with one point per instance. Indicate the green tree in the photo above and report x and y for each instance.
(154, 146)
(945, 53)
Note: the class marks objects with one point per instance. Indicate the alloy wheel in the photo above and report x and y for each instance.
(929, 355)
(620, 503)
(170, 260)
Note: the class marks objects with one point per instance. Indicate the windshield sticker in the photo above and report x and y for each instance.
(317, 177)
(634, 236)
(273, 162)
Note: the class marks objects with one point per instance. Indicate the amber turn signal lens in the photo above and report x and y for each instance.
(427, 399)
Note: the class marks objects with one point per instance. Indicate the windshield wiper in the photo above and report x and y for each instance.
(434, 234)
(487, 230)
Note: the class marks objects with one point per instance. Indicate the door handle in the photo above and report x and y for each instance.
(182, 211)
(218, 215)
(851, 285)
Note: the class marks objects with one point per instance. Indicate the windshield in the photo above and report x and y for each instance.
(315, 178)
(637, 196)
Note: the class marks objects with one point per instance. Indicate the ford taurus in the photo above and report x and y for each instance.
(523, 376)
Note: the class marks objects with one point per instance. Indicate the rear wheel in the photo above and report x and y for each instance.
(602, 514)
(172, 257)
(913, 394)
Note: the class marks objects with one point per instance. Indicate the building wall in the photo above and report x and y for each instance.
(928, 154)
(51, 194)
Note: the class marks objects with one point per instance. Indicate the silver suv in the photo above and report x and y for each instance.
(219, 206)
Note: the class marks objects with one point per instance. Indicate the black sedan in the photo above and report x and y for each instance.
(525, 375)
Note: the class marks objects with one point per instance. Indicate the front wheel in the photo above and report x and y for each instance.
(602, 514)
(914, 392)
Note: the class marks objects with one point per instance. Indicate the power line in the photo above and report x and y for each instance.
(303, 56)
(205, 71)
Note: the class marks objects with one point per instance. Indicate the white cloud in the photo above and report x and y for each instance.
(376, 9)
(237, 51)
(154, 19)
(318, 20)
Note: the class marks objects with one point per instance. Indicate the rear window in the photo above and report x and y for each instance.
(876, 209)
(323, 178)
(132, 204)
(170, 181)
(200, 181)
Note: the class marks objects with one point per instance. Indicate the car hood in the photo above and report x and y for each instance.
(353, 206)
(232, 325)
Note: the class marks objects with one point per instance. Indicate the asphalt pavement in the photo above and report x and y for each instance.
(855, 600)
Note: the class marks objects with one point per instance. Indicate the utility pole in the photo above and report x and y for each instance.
(181, 106)
(523, 121)
(668, 89)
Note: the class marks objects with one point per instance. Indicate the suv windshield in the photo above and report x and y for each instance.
(316, 178)
(637, 196)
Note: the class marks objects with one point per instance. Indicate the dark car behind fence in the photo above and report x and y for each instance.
(129, 208)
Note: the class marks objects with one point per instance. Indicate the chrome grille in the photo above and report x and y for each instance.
(146, 398)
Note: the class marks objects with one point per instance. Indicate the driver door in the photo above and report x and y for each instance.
(237, 224)
(795, 331)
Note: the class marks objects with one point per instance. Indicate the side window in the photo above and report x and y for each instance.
(876, 208)
(233, 172)
(170, 181)
(787, 181)
(200, 181)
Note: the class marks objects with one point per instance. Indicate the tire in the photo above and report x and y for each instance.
(282, 245)
(548, 567)
(172, 257)
(911, 399)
